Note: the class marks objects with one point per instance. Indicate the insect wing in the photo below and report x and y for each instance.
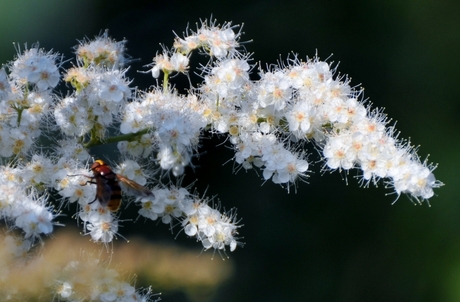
(133, 188)
(104, 190)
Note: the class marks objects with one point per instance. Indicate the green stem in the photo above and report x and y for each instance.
(165, 81)
(19, 111)
(19, 108)
(115, 139)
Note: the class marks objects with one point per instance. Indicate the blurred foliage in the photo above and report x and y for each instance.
(170, 270)
(329, 241)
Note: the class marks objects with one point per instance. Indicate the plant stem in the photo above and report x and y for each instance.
(114, 139)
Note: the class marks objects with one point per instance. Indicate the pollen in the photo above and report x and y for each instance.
(169, 209)
(18, 145)
(106, 226)
(277, 93)
(37, 168)
(211, 220)
(79, 193)
(220, 237)
(291, 168)
(44, 75)
(340, 154)
(147, 205)
(234, 131)
(194, 219)
(300, 116)
(102, 211)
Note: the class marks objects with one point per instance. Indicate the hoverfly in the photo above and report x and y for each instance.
(108, 190)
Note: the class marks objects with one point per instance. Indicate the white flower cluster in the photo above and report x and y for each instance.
(176, 124)
(76, 283)
(82, 279)
(101, 98)
(214, 229)
(98, 222)
(92, 109)
(268, 122)
(217, 41)
(102, 51)
(26, 99)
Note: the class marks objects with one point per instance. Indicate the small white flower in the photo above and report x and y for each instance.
(102, 51)
(37, 67)
(33, 217)
(113, 87)
(65, 290)
(103, 231)
(179, 62)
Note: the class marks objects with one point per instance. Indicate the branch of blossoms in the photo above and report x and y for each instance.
(270, 123)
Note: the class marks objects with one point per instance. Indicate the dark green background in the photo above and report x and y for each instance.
(330, 241)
